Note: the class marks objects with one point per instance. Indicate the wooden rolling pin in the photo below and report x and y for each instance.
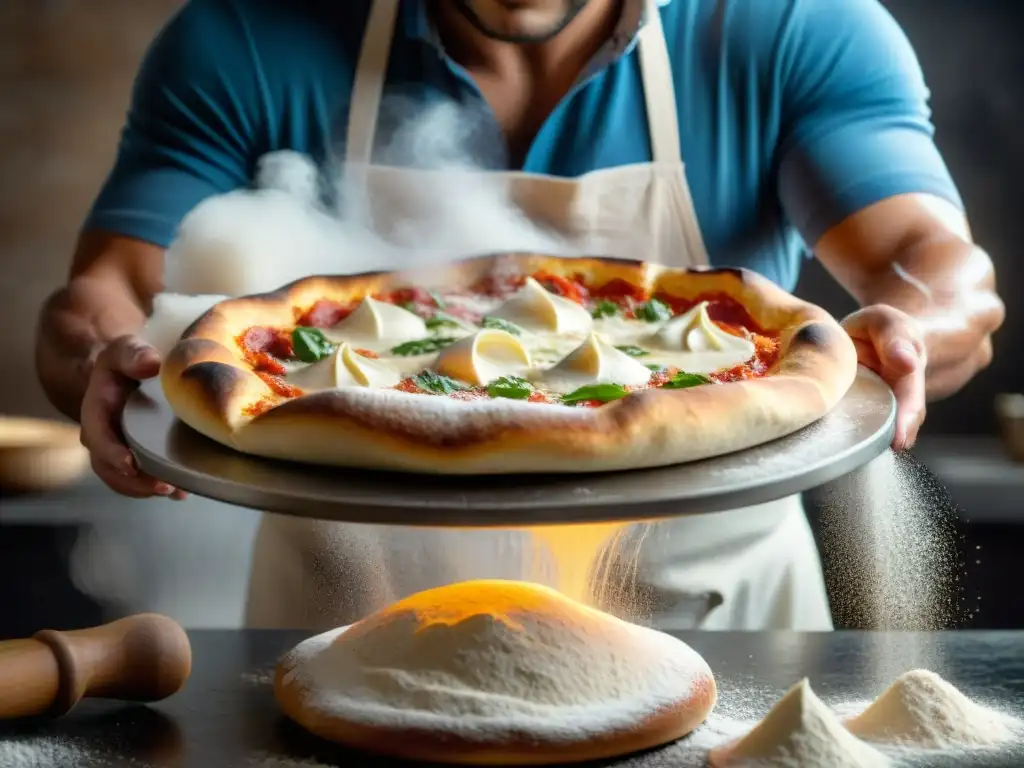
(145, 657)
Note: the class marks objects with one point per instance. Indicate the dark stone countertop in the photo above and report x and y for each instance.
(226, 716)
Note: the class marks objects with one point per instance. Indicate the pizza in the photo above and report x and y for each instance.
(514, 363)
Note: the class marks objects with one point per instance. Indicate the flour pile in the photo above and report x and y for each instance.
(487, 661)
(922, 710)
(800, 731)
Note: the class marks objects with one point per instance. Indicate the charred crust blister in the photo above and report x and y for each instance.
(618, 260)
(814, 334)
(739, 274)
(215, 378)
(195, 325)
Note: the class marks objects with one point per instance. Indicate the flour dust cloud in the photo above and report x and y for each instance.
(301, 220)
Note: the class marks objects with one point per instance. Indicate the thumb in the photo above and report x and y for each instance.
(135, 358)
(893, 335)
(899, 354)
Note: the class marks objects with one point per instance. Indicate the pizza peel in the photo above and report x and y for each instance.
(856, 431)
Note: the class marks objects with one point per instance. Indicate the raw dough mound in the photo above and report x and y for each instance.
(495, 672)
(800, 731)
(921, 709)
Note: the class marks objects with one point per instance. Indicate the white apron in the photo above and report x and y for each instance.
(755, 568)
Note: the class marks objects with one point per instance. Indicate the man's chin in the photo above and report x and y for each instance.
(524, 26)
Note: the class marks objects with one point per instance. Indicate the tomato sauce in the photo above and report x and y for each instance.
(324, 313)
(259, 408)
(620, 291)
(279, 386)
(572, 289)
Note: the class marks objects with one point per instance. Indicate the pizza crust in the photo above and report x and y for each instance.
(211, 388)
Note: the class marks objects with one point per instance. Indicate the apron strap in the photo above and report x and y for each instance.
(371, 71)
(659, 91)
(368, 87)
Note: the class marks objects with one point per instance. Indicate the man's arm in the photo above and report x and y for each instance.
(861, 177)
(190, 134)
(109, 293)
(914, 252)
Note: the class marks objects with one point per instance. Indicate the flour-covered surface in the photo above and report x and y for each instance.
(226, 717)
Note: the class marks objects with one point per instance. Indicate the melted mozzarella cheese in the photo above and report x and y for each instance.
(378, 325)
(691, 342)
(595, 361)
(694, 331)
(483, 357)
(539, 311)
(344, 368)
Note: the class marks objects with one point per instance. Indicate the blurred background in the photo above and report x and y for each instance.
(66, 67)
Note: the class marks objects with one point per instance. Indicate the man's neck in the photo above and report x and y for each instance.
(568, 51)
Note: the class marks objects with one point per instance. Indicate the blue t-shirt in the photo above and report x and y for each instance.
(793, 114)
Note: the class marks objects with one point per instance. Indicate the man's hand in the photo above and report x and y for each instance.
(891, 344)
(118, 369)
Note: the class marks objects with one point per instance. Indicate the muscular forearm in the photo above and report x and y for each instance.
(110, 289)
(75, 323)
(948, 286)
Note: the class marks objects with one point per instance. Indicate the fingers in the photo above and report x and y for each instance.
(137, 485)
(893, 334)
(889, 343)
(911, 408)
(102, 404)
(132, 357)
(115, 375)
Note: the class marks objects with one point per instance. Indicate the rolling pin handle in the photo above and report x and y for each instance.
(71, 686)
(146, 657)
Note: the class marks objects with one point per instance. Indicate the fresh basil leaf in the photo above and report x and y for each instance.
(653, 311)
(422, 346)
(408, 306)
(684, 380)
(510, 388)
(438, 301)
(310, 344)
(633, 351)
(496, 323)
(656, 367)
(603, 392)
(605, 308)
(436, 383)
(441, 320)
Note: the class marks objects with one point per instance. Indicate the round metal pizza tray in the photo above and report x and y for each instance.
(857, 430)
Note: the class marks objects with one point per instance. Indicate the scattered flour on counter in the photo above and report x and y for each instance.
(260, 677)
(922, 710)
(264, 760)
(54, 752)
(800, 731)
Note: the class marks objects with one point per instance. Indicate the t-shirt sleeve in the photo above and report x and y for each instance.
(190, 130)
(855, 122)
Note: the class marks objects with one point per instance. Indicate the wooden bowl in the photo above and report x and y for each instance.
(39, 454)
(1010, 412)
